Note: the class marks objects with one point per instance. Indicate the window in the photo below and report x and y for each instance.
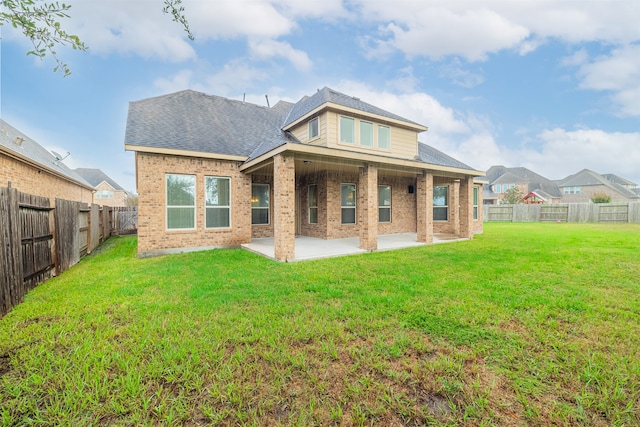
(384, 139)
(313, 128)
(217, 202)
(475, 202)
(348, 193)
(384, 203)
(313, 204)
(259, 204)
(571, 190)
(104, 194)
(347, 130)
(181, 201)
(366, 134)
(441, 203)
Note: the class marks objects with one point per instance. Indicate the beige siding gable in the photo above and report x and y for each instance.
(404, 142)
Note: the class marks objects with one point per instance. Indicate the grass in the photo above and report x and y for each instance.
(528, 324)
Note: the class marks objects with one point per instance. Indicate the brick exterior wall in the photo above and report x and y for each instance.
(39, 182)
(153, 236)
(411, 211)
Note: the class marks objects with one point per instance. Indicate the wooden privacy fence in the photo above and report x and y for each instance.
(573, 212)
(38, 241)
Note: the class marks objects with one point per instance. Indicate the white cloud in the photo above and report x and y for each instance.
(618, 72)
(475, 29)
(265, 49)
(564, 152)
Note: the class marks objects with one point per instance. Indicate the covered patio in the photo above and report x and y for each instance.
(308, 248)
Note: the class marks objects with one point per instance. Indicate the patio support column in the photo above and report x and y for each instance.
(424, 207)
(466, 207)
(284, 221)
(368, 207)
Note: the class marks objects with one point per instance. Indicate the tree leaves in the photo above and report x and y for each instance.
(41, 23)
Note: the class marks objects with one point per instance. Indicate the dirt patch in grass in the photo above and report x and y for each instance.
(5, 364)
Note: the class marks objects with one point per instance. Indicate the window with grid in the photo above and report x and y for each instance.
(217, 202)
(181, 201)
(441, 203)
(348, 203)
(313, 203)
(259, 204)
(384, 203)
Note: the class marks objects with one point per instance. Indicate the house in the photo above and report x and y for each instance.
(29, 167)
(108, 192)
(581, 186)
(535, 188)
(215, 172)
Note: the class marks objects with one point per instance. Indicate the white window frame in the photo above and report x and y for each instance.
(342, 207)
(169, 207)
(353, 130)
(267, 208)
(315, 120)
(389, 140)
(207, 207)
(380, 207)
(311, 206)
(445, 206)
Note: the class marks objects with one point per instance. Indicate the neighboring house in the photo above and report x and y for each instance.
(535, 188)
(27, 166)
(108, 192)
(215, 172)
(621, 181)
(580, 187)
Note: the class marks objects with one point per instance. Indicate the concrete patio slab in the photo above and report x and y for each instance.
(308, 248)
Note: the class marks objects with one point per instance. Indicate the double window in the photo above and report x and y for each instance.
(441, 203)
(348, 203)
(313, 203)
(181, 201)
(384, 203)
(217, 202)
(260, 204)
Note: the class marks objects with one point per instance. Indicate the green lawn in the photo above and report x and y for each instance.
(528, 324)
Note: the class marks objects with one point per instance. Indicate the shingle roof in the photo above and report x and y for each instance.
(33, 151)
(326, 95)
(194, 121)
(96, 176)
(428, 154)
(618, 179)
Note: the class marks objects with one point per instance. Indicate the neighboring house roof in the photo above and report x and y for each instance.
(208, 124)
(619, 180)
(586, 178)
(521, 175)
(31, 152)
(309, 104)
(96, 176)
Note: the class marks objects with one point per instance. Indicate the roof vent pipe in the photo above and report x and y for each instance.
(267, 97)
(19, 140)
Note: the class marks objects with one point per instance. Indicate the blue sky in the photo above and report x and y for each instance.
(550, 85)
